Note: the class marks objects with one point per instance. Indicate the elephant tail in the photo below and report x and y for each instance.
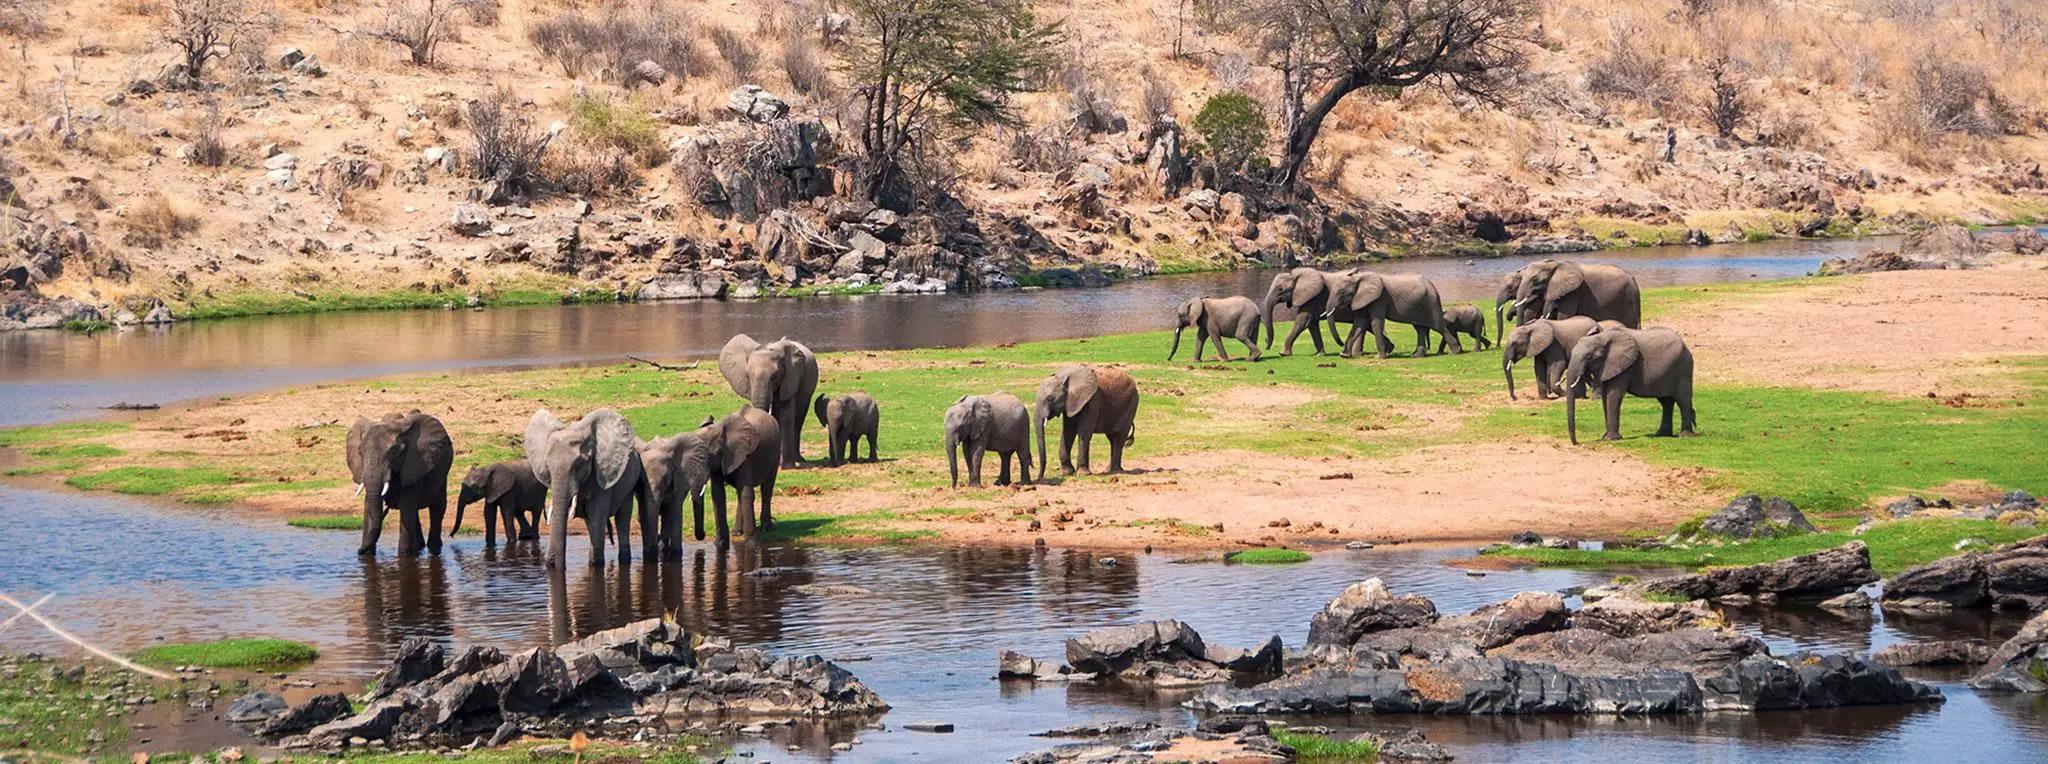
(1131, 436)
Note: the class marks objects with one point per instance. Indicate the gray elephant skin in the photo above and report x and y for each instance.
(510, 493)
(678, 467)
(1647, 363)
(1510, 285)
(1466, 320)
(1088, 400)
(778, 378)
(1563, 288)
(1307, 292)
(1368, 300)
(402, 461)
(743, 449)
(594, 464)
(1548, 342)
(979, 424)
(847, 419)
(1219, 317)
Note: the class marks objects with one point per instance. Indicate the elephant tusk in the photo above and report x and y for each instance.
(386, 490)
(359, 490)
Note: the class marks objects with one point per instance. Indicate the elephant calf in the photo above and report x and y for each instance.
(509, 492)
(847, 419)
(1467, 320)
(981, 423)
(1218, 317)
(745, 449)
(1647, 363)
(678, 467)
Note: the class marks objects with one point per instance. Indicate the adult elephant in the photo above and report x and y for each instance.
(1549, 343)
(1219, 317)
(1307, 292)
(1562, 288)
(594, 464)
(1088, 400)
(401, 460)
(982, 423)
(778, 378)
(1647, 363)
(678, 467)
(509, 492)
(1369, 300)
(743, 448)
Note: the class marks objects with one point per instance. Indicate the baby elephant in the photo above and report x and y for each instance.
(1464, 319)
(846, 420)
(1218, 317)
(509, 492)
(1647, 363)
(981, 423)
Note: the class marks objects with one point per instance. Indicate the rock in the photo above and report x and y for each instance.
(1112, 650)
(1087, 276)
(531, 682)
(1099, 729)
(1205, 200)
(470, 219)
(1364, 608)
(1409, 746)
(1817, 575)
(2018, 499)
(258, 706)
(636, 647)
(1905, 507)
(1629, 614)
(752, 103)
(318, 710)
(375, 722)
(1525, 539)
(2014, 576)
(1856, 603)
(418, 659)
(290, 58)
(309, 67)
(1265, 659)
(1750, 516)
(1954, 652)
(929, 726)
(2017, 665)
(282, 161)
(1015, 665)
(687, 285)
(649, 72)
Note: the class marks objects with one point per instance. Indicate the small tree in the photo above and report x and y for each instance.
(1234, 128)
(923, 66)
(1727, 107)
(202, 29)
(421, 26)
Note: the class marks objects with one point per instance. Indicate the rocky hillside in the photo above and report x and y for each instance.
(221, 156)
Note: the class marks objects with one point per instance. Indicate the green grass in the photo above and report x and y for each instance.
(1675, 599)
(1894, 547)
(150, 481)
(239, 492)
(1267, 556)
(877, 525)
(56, 718)
(86, 327)
(229, 653)
(328, 523)
(15, 437)
(1319, 748)
(45, 468)
(75, 451)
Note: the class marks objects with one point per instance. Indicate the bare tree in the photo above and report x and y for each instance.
(1340, 47)
(1727, 106)
(421, 26)
(203, 29)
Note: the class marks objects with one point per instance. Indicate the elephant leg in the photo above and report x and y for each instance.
(1612, 409)
(1067, 447)
(1251, 343)
(975, 452)
(409, 537)
(1220, 349)
(746, 511)
(1116, 451)
(1422, 342)
(491, 513)
(1457, 345)
(1003, 477)
(1087, 439)
(1287, 348)
(594, 524)
(768, 504)
(437, 511)
(1664, 426)
(1024, 466)
(871, 447)
(622, 527)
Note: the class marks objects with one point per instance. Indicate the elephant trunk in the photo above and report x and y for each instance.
(1499, 323)
(373, 521)
(1038, 430)
(953, 456)
(558, 525)
(459, 506)
(1176, 341)
(1571, 413)
(1507, 368)
(1266, 315)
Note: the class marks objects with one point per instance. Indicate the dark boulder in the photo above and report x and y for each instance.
(1264, 659)
(1818, 575)
(375, 722)
(1409, 746)
(2010, 577)
(319, 710)
(1629, 614)
(255, 707)
(2018, 665)
(1953, 652)
(532, 682)
(418, 660)
(636, 647)
(1364, 608)
(1905, 507)
(1109, 651)
(1751, 516)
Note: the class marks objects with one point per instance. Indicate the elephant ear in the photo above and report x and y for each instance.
(539, 434)
(732, 362)
(1370, 286)
(800, 377)
(1198, 311)
(818, 406)
(979, 414)
(693, 468)
(500, 482)
(1541, 335)
(1308, 285)
(611, 446)
(356, 433)
(1568, 278)
(1081, 388)
(426, 448)
(1622, 353)
(741, 439)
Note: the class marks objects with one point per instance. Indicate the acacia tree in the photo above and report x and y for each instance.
(202, 29)
(921, 67)
(1339, 47)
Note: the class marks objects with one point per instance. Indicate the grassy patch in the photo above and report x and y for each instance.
(63, 715)
(1615, 232)
(1267, 556)
(225, 494)
(149, 481)
(878, 525)
(45, 468)
(1894, 546)
(328, 522)
(240, 304)
(75, 451)
(15, 437)
(229, 653)
(1319, 748)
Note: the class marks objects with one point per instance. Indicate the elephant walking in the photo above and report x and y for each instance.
(678, 467)
(778, 378)
(847, 419)
(1548, 342)
(1306, 291)
(1219, 317)
(1647, 363)
(401, 461)
(594, 464)
(743, 447)
(1562, 288)
(509, 492)
(982, 423)
(1088, 400)
(1369, 300)
(1467, 320)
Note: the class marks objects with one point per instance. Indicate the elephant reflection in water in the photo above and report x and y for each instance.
(405, 597)
(1079, 583)
(708, 591)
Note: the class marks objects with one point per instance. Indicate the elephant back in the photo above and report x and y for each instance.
(1118, 393)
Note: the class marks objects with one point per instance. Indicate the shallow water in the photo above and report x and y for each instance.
(130, 573)
(49, 376)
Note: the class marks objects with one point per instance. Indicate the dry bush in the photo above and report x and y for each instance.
(1160, 97)
(203, 29)
(208, 150)
(582, 169)
(483, 13)
(1726, 104)
(506, 144)
(421, 26)
(625, 127)
(607, 43)
(1050, 148)
(1628, 72)
(1091, 110)
(155, 222)
(1786, 127)
(742, 59)
(1233, 71)
(1952, 97)
(23, 19)
(805, 68)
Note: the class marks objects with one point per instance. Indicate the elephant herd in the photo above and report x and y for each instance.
(598, 468)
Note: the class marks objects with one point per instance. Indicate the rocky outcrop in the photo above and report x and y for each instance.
(1629, 614)
(1166, 653)
(687, 285)
(319, 710)
(2018, 665)
(2012, 577)
(1366, 607)
(1015, 665)
(1942, 247)
(1751, 516)
(1818, 575)
(1954, 652)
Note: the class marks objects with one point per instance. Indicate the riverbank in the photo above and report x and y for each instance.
(1820, 390)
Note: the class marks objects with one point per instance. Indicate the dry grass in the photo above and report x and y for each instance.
(155, 222)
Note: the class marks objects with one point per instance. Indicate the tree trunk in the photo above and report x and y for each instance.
(1303, 136)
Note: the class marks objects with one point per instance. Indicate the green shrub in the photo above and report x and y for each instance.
(624, 126)
(1233, 126)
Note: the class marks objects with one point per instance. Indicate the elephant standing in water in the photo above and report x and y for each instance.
(510, 492)
(401, 461)
(1369, 300)
(1088, 400)
(743, 447)
(778, 378)
(593, 463)
(982, 423)
(1562, 288)
(1549, 342)
(1218, 317)
(1306, 290)
(678, 467)
(847, 419)
(1648, 363)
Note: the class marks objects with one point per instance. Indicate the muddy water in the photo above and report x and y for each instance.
(49, 376)
(131, 574)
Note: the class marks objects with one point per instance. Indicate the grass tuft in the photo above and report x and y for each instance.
(229, 653)
(1894, 547)
(1319, 748)
(328, 523)
(1267, 556)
